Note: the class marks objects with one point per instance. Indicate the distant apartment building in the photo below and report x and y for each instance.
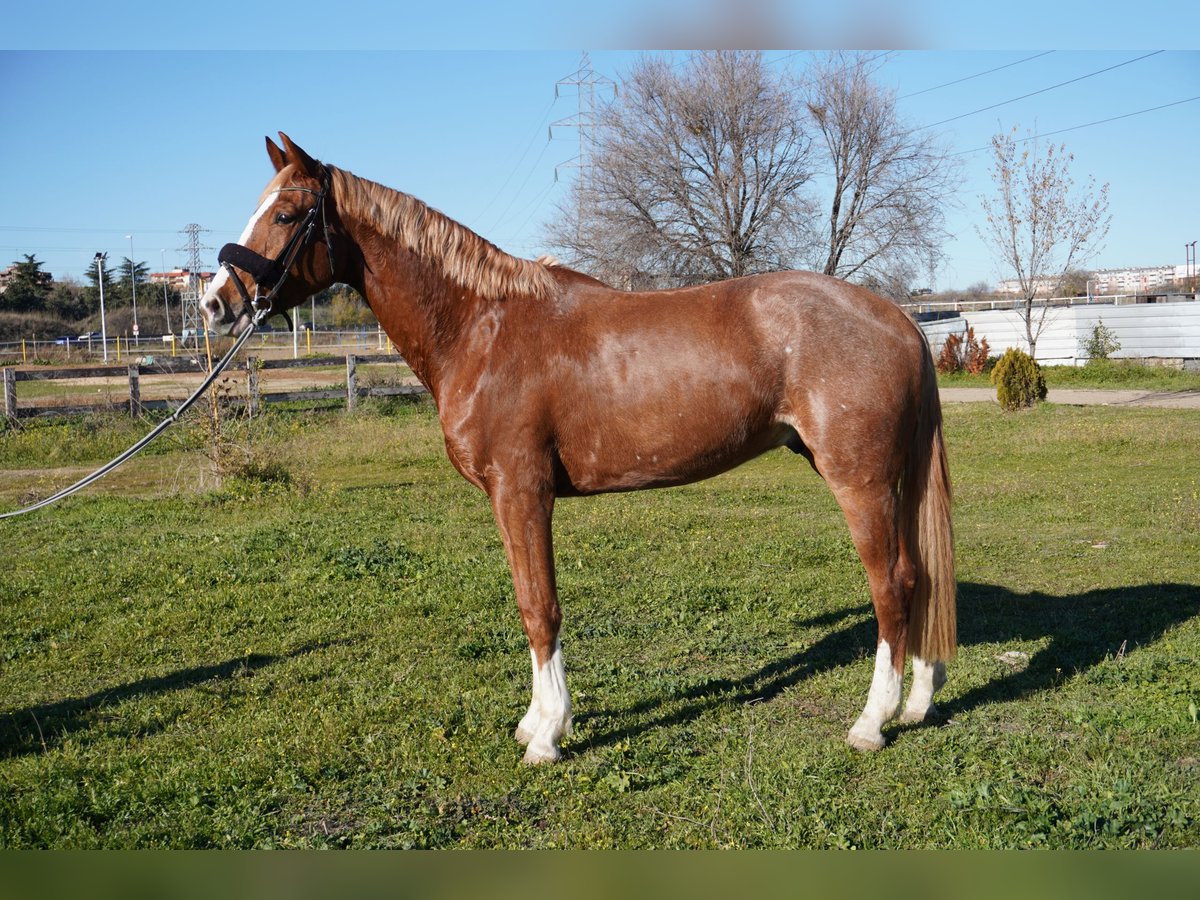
(1139, 280)
(177, 279)
(1136, 281)
(1042, 287)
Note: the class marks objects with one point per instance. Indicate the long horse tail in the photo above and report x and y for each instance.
(925, 524)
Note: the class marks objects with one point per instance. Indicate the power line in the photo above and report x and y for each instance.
(938, 87)
(535, 206)
(513, 199)
(1042, 91)
(870, 59)
(517, 165)
(1086, 125)
(47, 249)
(77, 230)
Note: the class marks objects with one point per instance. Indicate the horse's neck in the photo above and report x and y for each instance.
(421, 310)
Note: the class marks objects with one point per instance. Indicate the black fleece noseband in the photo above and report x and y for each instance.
(269, 275)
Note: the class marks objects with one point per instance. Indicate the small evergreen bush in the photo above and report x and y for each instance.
(1018, 379)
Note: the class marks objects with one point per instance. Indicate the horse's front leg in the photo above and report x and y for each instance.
(523, 515)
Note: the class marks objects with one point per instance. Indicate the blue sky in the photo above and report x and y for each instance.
(104, 138)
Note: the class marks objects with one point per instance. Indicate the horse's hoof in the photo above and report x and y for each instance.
(916, 716)
(865, 741)
(523, 736)
(535, 756)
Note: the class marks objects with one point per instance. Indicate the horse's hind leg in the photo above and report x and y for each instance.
(928, 677)
(870, 511)
(524, 520)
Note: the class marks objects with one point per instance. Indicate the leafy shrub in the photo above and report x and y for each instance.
(1102, 343)
(963, 355)
(1018, 379)
(975, 354)
(950, 359)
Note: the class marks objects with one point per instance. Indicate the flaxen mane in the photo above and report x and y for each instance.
(463, 256)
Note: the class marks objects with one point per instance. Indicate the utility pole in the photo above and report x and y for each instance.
(166, 301)
(1189, 265)
(587, 84)
(189, 299)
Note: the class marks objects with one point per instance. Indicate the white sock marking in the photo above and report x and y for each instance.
(549, 715)
(883, 701)
(927, 678)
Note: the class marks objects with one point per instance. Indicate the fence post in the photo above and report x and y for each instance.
(10, 395)
(135, 392)
(252, 384)
(351, 382)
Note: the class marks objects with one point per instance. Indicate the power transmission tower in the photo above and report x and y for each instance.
(189, 300)
(587, 84)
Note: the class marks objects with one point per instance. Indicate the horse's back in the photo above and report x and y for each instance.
(664, 387)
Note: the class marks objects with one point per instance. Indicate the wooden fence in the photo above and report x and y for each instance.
(255, 397)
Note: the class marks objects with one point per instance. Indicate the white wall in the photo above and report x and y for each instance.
(1144, 331)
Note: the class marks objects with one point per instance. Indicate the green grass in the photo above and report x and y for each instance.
(339, 662)
(1115, 374)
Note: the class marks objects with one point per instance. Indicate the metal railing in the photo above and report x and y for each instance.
(122, 349)
(966, 304)
(129, 383)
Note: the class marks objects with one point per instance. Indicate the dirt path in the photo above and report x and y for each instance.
(1086, 397)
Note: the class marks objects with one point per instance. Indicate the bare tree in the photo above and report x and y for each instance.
(886, 183)
(1039, 225)
(697, 175)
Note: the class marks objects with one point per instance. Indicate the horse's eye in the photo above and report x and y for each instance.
(284, 219)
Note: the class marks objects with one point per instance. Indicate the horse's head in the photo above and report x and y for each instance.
(288, 250)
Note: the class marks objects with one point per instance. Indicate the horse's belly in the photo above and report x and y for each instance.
(615, 459)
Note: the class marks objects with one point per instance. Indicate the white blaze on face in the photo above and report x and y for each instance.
(213, 309)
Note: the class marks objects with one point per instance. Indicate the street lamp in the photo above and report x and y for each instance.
(100, 258)
(165, 278)
(133, 286)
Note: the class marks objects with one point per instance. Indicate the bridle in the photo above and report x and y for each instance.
(270, 275)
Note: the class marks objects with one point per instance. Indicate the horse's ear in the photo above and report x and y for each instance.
(277, 157)
(307, 164)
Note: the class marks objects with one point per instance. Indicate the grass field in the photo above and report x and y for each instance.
(333, 657)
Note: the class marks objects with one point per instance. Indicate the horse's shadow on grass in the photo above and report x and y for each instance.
(1082, 631)
(40, 728)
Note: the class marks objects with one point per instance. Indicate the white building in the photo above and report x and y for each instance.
(1042, 287)
(178, 278)
(1137, 280)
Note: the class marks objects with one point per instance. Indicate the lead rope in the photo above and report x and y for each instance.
(162, 426)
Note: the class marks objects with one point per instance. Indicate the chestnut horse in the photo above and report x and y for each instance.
(550, 384)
